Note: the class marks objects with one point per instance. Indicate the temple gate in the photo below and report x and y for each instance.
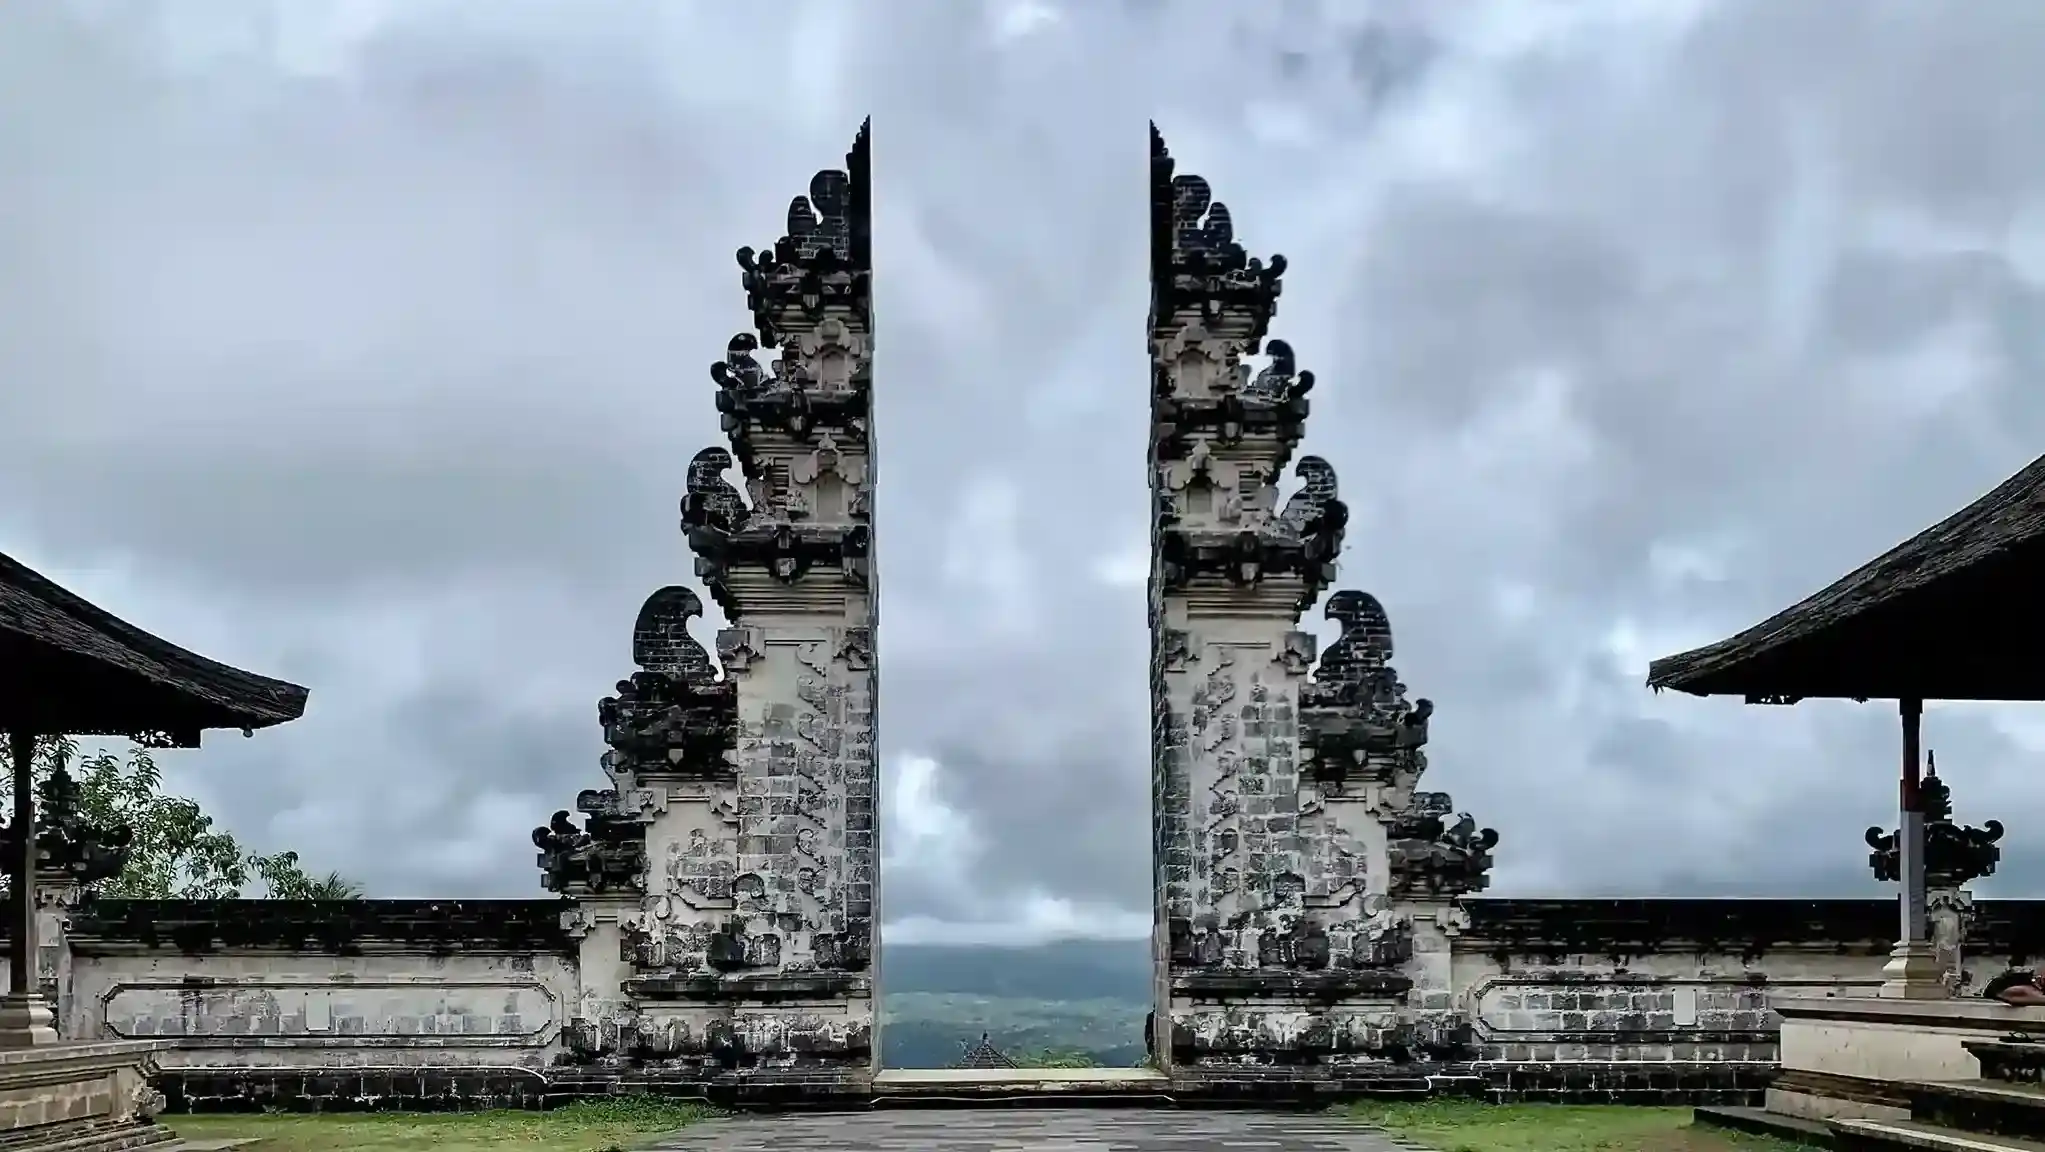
(724, 886)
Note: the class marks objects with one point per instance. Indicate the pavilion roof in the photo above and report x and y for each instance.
(983, 1055)
(1953, 613)
(68, 666)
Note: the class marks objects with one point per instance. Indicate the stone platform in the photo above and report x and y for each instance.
(1030, 1130)
(81, 1097)
(1886, 1075)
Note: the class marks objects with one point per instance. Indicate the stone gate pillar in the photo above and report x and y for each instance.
(1282, 790)
(744, 808)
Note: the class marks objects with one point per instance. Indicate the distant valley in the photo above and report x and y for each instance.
(1071, 1002)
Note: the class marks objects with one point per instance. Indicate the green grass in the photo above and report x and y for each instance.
(1467, 1126)
(589, 1126)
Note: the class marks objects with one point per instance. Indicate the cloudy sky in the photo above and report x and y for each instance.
(365, 344)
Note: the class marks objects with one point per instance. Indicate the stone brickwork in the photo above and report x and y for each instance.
(725, 883)
(1295, 862)
(464, 1004)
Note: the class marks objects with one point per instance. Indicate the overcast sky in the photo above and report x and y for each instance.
(365, 344)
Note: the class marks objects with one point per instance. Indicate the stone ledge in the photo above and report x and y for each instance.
(1961, 1014)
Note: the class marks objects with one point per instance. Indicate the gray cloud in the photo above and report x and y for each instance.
(371, 353)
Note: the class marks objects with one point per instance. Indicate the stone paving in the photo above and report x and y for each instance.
(1030, 1130)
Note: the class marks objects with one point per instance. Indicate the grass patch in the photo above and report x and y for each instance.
(585, 1126)
(1468, 1126)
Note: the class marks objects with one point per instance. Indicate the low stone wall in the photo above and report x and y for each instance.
(1666, 1000)
(453, 1004)
(369, 1004)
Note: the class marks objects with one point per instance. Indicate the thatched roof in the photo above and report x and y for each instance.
(68, 666)
(1953, 613)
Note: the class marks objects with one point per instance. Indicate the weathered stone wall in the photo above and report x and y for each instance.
(442, 1004)
(353, 1005)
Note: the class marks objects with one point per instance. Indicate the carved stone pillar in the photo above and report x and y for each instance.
(1291, 865)
(726, 882)
(1271, 946)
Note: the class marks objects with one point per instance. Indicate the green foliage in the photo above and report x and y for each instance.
(177, 852)
(1055, 1058)
(1472, 1126)
(607, 1125)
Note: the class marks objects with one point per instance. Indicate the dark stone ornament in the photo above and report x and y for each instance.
(1196, 265)
(1433, 859)
(1302, 540)
(825, 260)
(608, 854)
(752, 397)
(673, 716)
(1272, 403)
(1354, 710)
(1954, 854)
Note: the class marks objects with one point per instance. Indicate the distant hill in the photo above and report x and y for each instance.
(1084, 998)
(1064, 970)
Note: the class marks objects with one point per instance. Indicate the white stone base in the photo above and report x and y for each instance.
(68, 1094)
(1851, 1057)
(26, 1022)
(1914, 973)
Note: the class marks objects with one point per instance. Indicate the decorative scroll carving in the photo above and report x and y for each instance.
(608, 854)
(1954, 854)
(1434, 859)
(824, 261)
(1354, 713)
(674, 715)
(1196, 264)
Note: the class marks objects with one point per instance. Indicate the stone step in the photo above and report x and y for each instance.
(1892, 1135)
(2012, 1059)
(1988, 1107)
(1762, 1122)
(96, 1138)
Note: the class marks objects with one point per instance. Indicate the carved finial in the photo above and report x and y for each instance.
(1195, 259)
(824, 260)
(1954, 854)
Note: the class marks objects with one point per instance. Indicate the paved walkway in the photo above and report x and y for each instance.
(1030, 1130)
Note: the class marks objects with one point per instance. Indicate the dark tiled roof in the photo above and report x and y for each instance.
(67, 665)
(1949, 614)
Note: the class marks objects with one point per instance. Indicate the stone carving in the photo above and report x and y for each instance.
(1196, 264)
(1954, 854)
(824, 261)
(674, 715)
(1434, 859)
(607, 854)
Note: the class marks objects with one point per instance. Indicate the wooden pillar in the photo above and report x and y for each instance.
(1910, 828)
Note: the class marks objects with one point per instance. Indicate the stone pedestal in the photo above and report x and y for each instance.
(1852, 1057)
(82, 1097)
(26, 1022)
(1914, 973)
